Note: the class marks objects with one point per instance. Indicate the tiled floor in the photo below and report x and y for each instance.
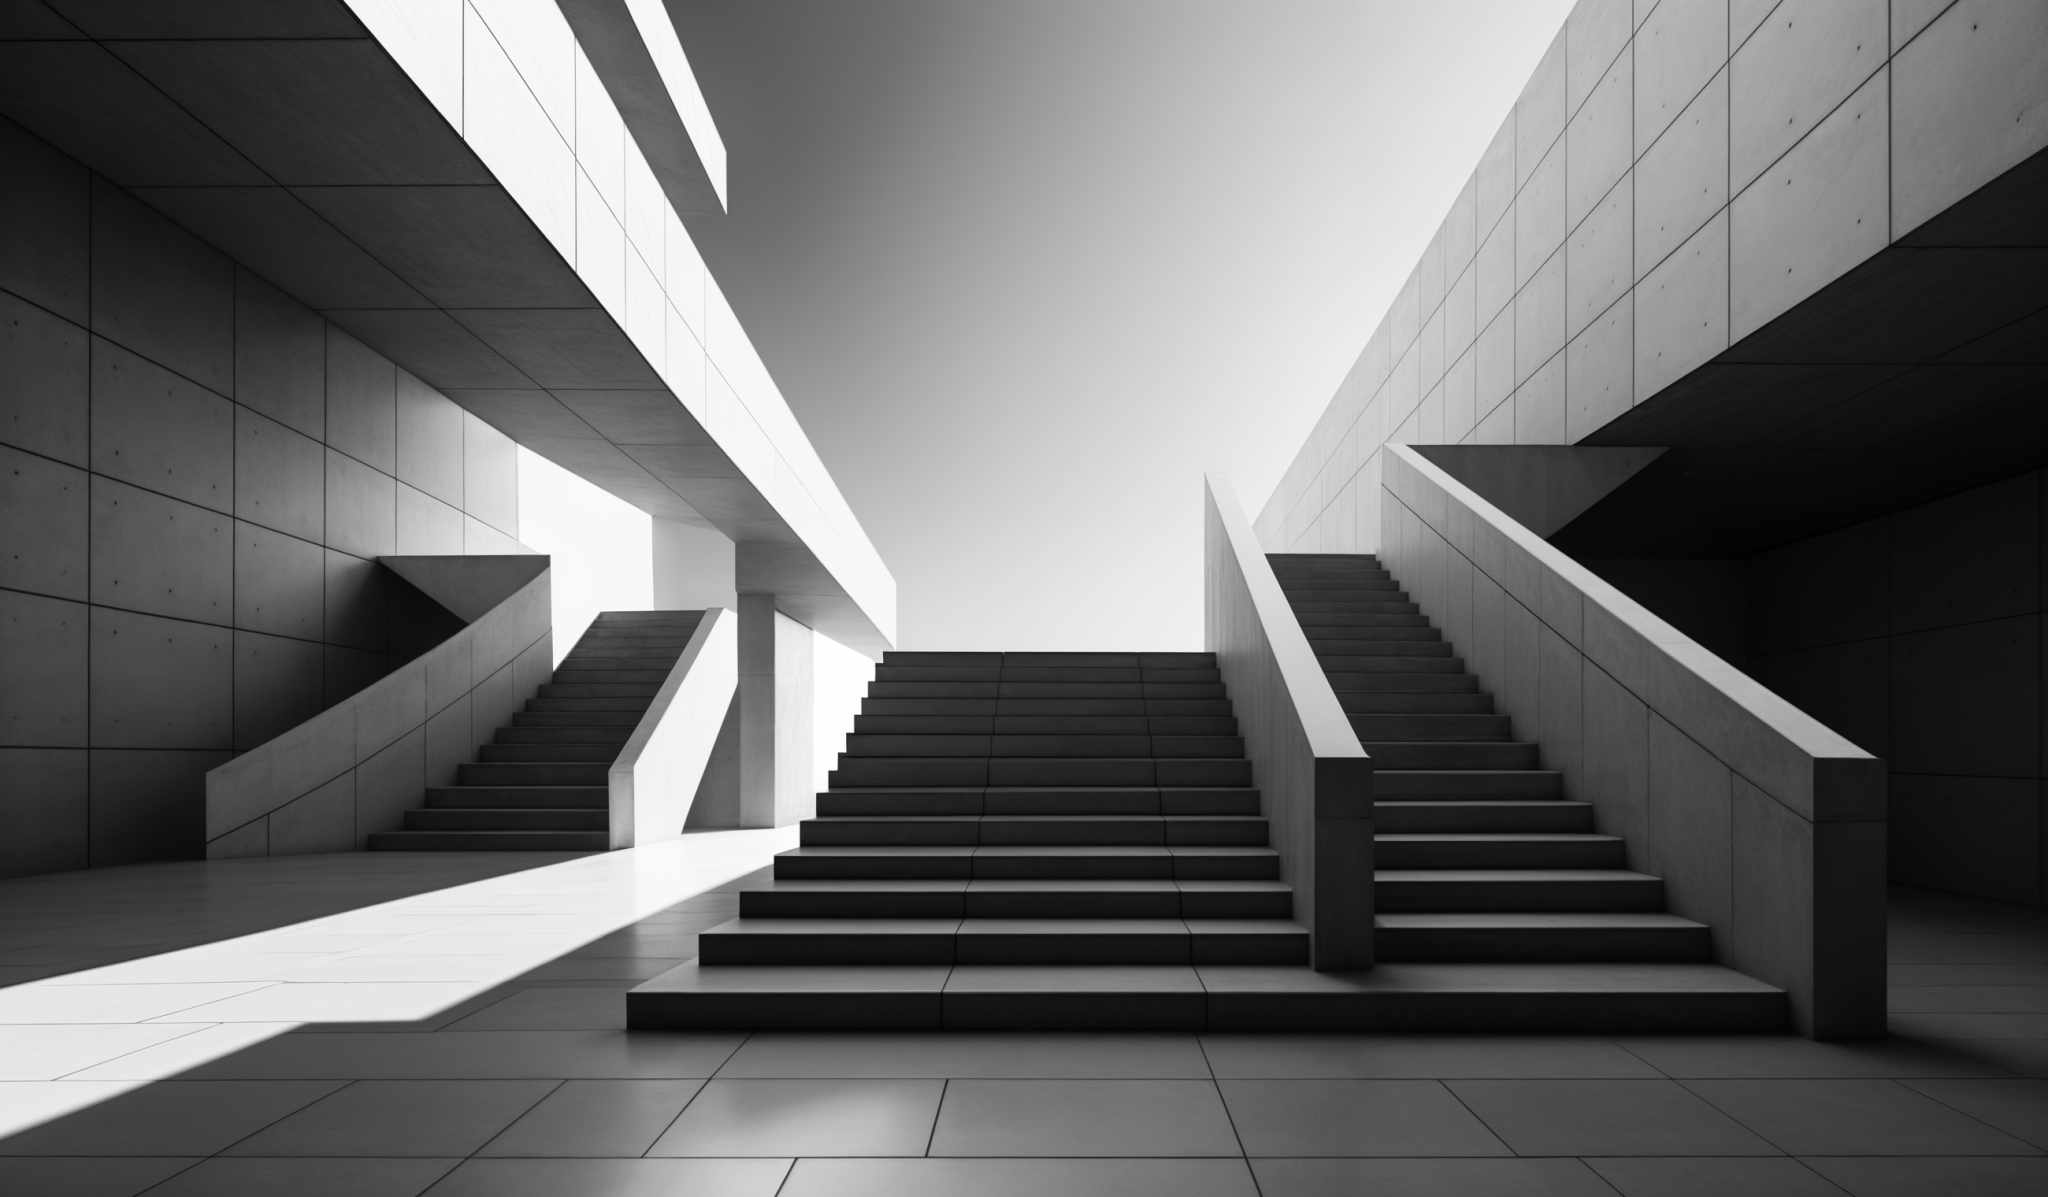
(178, 1030)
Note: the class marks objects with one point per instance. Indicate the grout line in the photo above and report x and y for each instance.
(938, 1111)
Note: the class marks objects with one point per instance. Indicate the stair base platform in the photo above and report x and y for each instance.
(1581, 998)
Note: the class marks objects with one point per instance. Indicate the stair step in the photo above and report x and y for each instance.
(1467, 816)
(1532, 784)
(610, 713)
(557, 797)
(1106, 830)
(1581, 936)
(1405, 891)
(1419, 727)
(1449, 701)
(1519, 850)
(614, 735)
(568, 674)
(508, 818)
(1024, 863)
(643, 690)
(1581, 998)
(1493, 755)
(556, 752)
(859, 772)
(1002, 941)
(1395, 673)
(1339, 651)
(489, 841)
(535, 773)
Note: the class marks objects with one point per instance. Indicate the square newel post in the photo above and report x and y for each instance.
(1341, 931)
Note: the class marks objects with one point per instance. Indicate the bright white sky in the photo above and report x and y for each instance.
(1026, 269)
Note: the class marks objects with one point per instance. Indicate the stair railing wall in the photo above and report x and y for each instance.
(657, 774)
(356, 767)
(1314, 778)
(1766, 825)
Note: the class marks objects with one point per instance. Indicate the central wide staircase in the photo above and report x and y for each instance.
(543, 783)
(1073, 840)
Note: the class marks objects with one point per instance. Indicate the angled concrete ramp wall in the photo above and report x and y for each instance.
(356, 767)
(1766, 825)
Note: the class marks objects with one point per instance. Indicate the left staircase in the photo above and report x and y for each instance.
(542, 783)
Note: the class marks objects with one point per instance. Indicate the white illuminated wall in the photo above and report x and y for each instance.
(601, 546)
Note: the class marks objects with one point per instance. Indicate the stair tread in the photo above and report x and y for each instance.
(1648, 977)
(1467, 876)
(1531, 920)
(1516, 837)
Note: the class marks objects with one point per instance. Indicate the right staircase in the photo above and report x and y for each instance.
(1480, 855)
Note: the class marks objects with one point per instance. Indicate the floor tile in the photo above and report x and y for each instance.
(75, 1177)
(786, 1118)
(41, 1053)
(1624, 1117)
(482, 1054)
(614, 1178)
(1854, 1117)
(1019, 1178)
(1083, 1118)
(1788, 1056)
(170, 1118)
(550, 1008)
(1420, 1056)
(596, 1118)
(965, 1054)
(2019, 1107)
(43, 1002)
(229, 1177)
(1354, 1118)
(400, 1118)
(355, 1001)
(1952, 1177)
(1428, 1178)
(1694, 1177)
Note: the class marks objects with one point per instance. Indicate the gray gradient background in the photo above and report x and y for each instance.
(1026, 268)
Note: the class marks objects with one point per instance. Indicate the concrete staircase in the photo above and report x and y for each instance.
(1481, 856)
(1072, 840)
(541, 785)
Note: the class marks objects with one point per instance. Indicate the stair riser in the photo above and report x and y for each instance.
(1043, 690)
(488, 841)
(1543, 946)
(1152, 866)
(640, 690)
(1365, 629)
(1430, 727)
(1595, 1013)
(1390, 783)
(557, 797)
(1511, 854)
(1080, 948)
(1044, 725)
(1340, 653)
(1414, 818)
(1394, 673)
(884, 771)
(504, 819)
(1102, 831)
(523, 753)
(625, 720)
(592, 773)
(1548, 896)
(1078, 801)
(1077, 675)
(1056, 746)
(613, 737)
(1451, 756)
(1397, 703)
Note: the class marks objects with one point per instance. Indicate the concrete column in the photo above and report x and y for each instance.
(775, 715)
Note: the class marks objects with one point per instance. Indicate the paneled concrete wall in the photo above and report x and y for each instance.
(1920, 637)
(198, 474)
(1676, 174)
(1765, 825)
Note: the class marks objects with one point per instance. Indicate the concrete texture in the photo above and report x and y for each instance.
(196, 471)
(775, 670)
(1686, 211)
(1766, 825)
(353, 768)
(1315, 780)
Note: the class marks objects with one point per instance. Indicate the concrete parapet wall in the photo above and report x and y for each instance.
(1764, 824)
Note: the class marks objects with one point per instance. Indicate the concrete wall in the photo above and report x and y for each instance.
(1920, 637)
(1764, 824)
(1676, 174)
(1314, 779)
(198, 474)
